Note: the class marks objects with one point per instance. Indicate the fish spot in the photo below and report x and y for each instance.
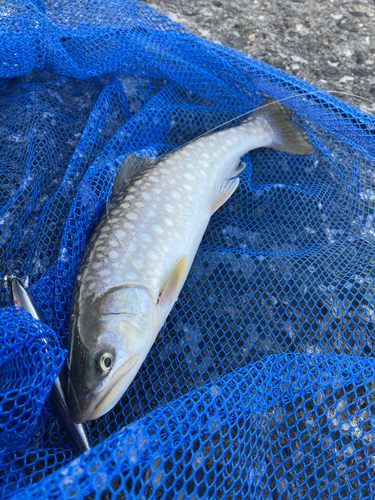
(98, 259)
(189, 165)
(154, 179)
(116, 212)
(176, 195)
(132, 216)
(113, 254)
(139, 262)
(188, 187)
(169, 208)
(164, 170)
(158, 229)
(146, 237)
(172, 181)
(151, 213)
(130, 197)
(140, 204)
(129, 225)
(157, 190)
(132, 247)
(206, 155)
(146, 196)
(152, 255)
(168, 221)
(125, 205)
(96, 265)
(113, 242)
(104, 272)
(188, 176)
(121, 234)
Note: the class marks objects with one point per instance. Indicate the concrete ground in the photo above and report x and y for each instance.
(330, 43)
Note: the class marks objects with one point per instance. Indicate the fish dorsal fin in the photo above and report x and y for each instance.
(173, 283)
(225, 191)
(130, 167)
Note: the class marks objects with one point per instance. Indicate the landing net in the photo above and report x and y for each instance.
(261, 384)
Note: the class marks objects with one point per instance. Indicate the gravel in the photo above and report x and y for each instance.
(329, 43)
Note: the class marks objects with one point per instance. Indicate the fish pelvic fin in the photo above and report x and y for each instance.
(225, 191)
(288, 136)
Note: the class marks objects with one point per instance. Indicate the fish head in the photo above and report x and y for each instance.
(110, 337)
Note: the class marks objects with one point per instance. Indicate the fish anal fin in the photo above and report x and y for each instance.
(173, 283)
(225, 191)
(130, 167)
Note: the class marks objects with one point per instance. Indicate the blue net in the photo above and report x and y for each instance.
(261, 383)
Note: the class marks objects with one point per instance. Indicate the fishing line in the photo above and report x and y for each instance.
(276, 101)
(229, 121)
(261, 107)
(119, 241)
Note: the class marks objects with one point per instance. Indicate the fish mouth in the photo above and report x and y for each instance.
(110, 398)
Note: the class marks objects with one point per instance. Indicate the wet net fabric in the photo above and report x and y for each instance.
(261, 384)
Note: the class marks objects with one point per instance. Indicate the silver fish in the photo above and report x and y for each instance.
(21, 298)
(140, 252)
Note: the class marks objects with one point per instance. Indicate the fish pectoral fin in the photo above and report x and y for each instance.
(130, 167)
(173, 283)
(224, 192)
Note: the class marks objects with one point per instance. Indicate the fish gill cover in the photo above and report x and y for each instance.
(261, 384)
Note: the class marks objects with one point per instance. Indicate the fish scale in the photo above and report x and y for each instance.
(141, 251)
(165, 190)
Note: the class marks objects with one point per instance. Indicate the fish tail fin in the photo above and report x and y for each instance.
(288, 136)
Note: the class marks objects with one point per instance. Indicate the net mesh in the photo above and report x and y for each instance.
(261, 383)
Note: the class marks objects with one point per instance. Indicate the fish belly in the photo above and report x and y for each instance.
(162, 215)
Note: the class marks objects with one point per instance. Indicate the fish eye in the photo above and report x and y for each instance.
(106, 361)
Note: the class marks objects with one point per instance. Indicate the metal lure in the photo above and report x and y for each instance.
(21, 298)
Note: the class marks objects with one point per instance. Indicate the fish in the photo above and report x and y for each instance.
(141, 250)
(22, 298)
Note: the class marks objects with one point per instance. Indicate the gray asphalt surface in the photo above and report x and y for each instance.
(329, 43)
